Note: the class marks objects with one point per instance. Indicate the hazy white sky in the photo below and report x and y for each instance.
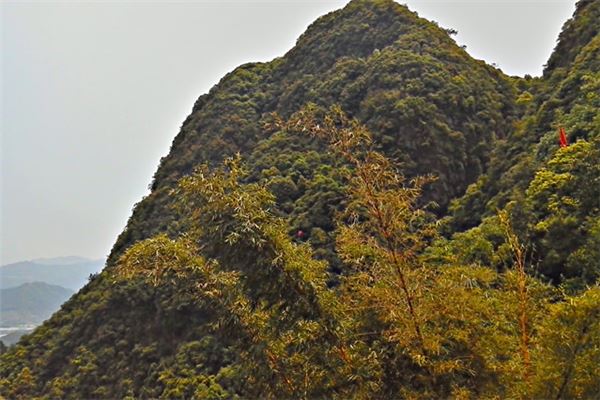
(93, 93)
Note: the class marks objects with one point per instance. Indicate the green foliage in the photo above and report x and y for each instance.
(483, 245)
(266, 291)
(558, 215)
(564, 201)
(576, 33)
(192, 376)
(554, 190)
(211, 293)
(568, 354)
(388, 328)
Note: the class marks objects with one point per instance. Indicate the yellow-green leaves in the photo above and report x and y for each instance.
(568, 353)
(414, 315)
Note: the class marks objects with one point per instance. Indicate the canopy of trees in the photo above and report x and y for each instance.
(449, 247)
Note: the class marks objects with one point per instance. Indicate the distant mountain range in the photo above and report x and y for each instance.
(69, 272)
(31, 291)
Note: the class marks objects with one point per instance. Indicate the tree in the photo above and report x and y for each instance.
(268, 294)
(564, 210)
(397, 324)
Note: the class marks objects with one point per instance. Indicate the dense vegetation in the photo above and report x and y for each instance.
(428, 103)
(557, 194)
(425, 238)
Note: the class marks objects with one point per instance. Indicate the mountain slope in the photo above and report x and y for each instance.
(556, 192)
(428, 104)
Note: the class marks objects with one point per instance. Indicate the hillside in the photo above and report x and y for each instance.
(430, 105)
(317, 273)
(556, 193)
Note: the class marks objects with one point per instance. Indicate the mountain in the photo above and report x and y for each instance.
(30, 303)
(68, 272)
(232, 302)
(557, 194)
(430, 105)
(13, 336)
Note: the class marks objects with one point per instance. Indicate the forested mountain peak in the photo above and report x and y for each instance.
(430, 105)
(355, 31)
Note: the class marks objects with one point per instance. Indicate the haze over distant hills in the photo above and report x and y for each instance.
(66, 260)
(31, 291)
(69, 272)
(30, 303)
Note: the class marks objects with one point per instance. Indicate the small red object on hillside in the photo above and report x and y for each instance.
(563, 137)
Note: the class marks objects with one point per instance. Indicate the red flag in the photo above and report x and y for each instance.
(563, 137)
